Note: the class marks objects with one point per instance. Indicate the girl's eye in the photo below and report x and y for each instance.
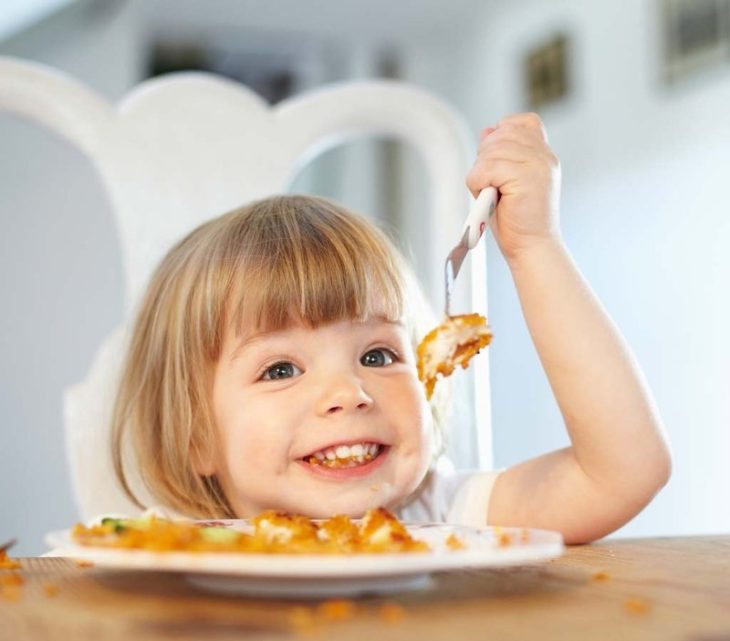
(280, 370)
(378, 358)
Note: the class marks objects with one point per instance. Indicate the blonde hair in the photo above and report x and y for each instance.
(273, 262)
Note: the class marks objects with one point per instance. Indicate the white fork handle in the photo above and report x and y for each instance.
(479, 214)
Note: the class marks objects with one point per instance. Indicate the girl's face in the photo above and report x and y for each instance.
(286, 402)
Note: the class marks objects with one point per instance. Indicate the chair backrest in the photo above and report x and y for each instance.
(182, 148)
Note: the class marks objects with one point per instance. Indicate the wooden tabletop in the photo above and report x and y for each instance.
(664, 588)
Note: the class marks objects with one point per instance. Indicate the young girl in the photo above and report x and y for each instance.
(272, 367)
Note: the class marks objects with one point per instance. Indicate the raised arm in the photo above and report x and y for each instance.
(618, 458)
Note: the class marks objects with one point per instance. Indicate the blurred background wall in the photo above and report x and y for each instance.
(635, 103)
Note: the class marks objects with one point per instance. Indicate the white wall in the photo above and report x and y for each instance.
(645, 212)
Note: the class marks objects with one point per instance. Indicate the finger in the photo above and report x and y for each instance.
(486, 131)
(522, 119)
(497, 173)
(506, 149)
(529, 136)
(526, 120)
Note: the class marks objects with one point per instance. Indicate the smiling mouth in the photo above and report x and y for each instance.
(345, 456)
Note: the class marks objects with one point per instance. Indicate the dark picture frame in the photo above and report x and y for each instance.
(546, 72)
(696, 37)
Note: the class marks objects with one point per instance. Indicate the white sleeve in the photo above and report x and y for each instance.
(459, 498)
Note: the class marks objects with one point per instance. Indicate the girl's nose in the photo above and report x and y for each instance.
(345, 395)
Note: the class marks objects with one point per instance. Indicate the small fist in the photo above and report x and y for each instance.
(515, 158)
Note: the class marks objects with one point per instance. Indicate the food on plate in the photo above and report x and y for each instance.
(453, 542)
(379, 531)
(452, 343)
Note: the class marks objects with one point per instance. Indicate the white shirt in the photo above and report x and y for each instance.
(448, 496)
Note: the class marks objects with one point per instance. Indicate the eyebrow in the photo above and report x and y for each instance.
(253, 338)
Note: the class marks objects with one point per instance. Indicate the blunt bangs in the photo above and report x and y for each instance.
(302, 261)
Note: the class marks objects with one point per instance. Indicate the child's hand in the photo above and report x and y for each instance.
(515, 158)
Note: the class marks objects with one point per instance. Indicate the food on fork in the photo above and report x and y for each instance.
(452, 343)
(378, 532)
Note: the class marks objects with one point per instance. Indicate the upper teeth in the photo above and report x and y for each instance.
(347, 451)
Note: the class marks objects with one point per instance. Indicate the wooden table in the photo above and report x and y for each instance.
(666, 588)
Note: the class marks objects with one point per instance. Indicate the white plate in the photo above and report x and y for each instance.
(316, 576)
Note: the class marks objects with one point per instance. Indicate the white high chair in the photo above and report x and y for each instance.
(183, 148)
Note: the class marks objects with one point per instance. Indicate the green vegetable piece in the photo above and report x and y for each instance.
(118, 525)
(218, 534)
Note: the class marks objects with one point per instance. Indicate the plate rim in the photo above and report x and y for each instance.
(549, 545)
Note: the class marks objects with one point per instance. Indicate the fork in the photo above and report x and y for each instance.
(476, 222)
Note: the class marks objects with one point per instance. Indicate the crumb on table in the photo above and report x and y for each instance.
(636, 605)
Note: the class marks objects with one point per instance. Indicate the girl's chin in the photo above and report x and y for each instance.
(321, 498)
(328, 504)
(354, 501)
(354, 507)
